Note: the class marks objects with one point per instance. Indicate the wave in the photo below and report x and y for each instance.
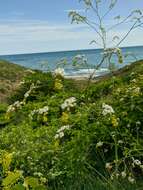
(86, 73)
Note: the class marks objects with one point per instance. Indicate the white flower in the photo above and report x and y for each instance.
(123, 174)
(108, 166)
(43, 110)
(131, 180)
(138, 123)
(11, 108)
(99, 144)
(27, 94)
(59, 71)
(136, 90)
(60, 132)
(64, 105)
(120, 142)
(107, 109)
(65, 127)
(69, 103)
(59, 135)
(134, 80)
(14, 106)
(39, 111)
(137, 162)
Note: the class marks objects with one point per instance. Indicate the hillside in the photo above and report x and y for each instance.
(62, 134)
(10, 76)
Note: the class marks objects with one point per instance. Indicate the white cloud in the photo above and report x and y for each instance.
(21, 36)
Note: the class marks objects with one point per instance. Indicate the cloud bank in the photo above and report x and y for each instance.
(27, 36)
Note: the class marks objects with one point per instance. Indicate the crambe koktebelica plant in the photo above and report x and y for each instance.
(69, 103)
(95, 16)
(18, 104)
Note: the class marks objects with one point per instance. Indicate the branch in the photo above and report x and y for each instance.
(126, 34)
(123, 21)
(109, 10)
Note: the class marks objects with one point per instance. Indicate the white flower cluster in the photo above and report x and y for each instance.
(108, 166)
(18, 104)
(107, 109)
(59, 72)
(27, 94)
(99, 144)
(60, 132)
(135, 90)
(39, 111)
(136, 162)
(14, 106)
(131, 180)
(69, 103)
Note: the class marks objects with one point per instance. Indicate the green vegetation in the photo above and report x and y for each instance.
(10, 76)
(61, 134)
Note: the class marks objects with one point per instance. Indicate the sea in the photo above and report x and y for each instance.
(49, 61)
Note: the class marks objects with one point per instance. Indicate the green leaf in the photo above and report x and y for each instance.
(32, 182)
(18, 187)
(11, 179)
(40, 187)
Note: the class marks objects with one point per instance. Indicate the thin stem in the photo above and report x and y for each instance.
(126, 34)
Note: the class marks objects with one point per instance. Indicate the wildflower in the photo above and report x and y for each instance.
(107, 109)
(59, 135)
(134, 80)
(114, 121)
(69, 103)
(43, 179)
(27, 94)
(131, 180)
(99, 144)
(117, 175)
(138, 123)
(137, 162)
(14, 106)
(136, 91)
(59, 72)
(123, 174)
(39, 174)
(58, 84)
(108, 166)
(120, 142)
(40, 111)
(43, 110)
(65, 117)
(60, 132)
(64, 128)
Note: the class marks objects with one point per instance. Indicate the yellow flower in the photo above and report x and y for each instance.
(65, 117)
(45, 119)
(58, 84)
(114, 121)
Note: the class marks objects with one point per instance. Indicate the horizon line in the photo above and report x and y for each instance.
(60, 51)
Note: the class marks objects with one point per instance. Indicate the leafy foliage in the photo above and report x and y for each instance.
(75, 140)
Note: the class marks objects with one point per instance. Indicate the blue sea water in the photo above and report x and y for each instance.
(42, 61)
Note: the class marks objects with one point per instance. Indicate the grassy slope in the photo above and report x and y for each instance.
(111, 89)
(10, 76)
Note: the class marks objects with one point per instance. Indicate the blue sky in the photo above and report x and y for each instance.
(43, 25)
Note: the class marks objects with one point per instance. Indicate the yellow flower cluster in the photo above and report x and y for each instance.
(114, 121)
(58, 84)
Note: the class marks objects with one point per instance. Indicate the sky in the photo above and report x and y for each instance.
(28, 26)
